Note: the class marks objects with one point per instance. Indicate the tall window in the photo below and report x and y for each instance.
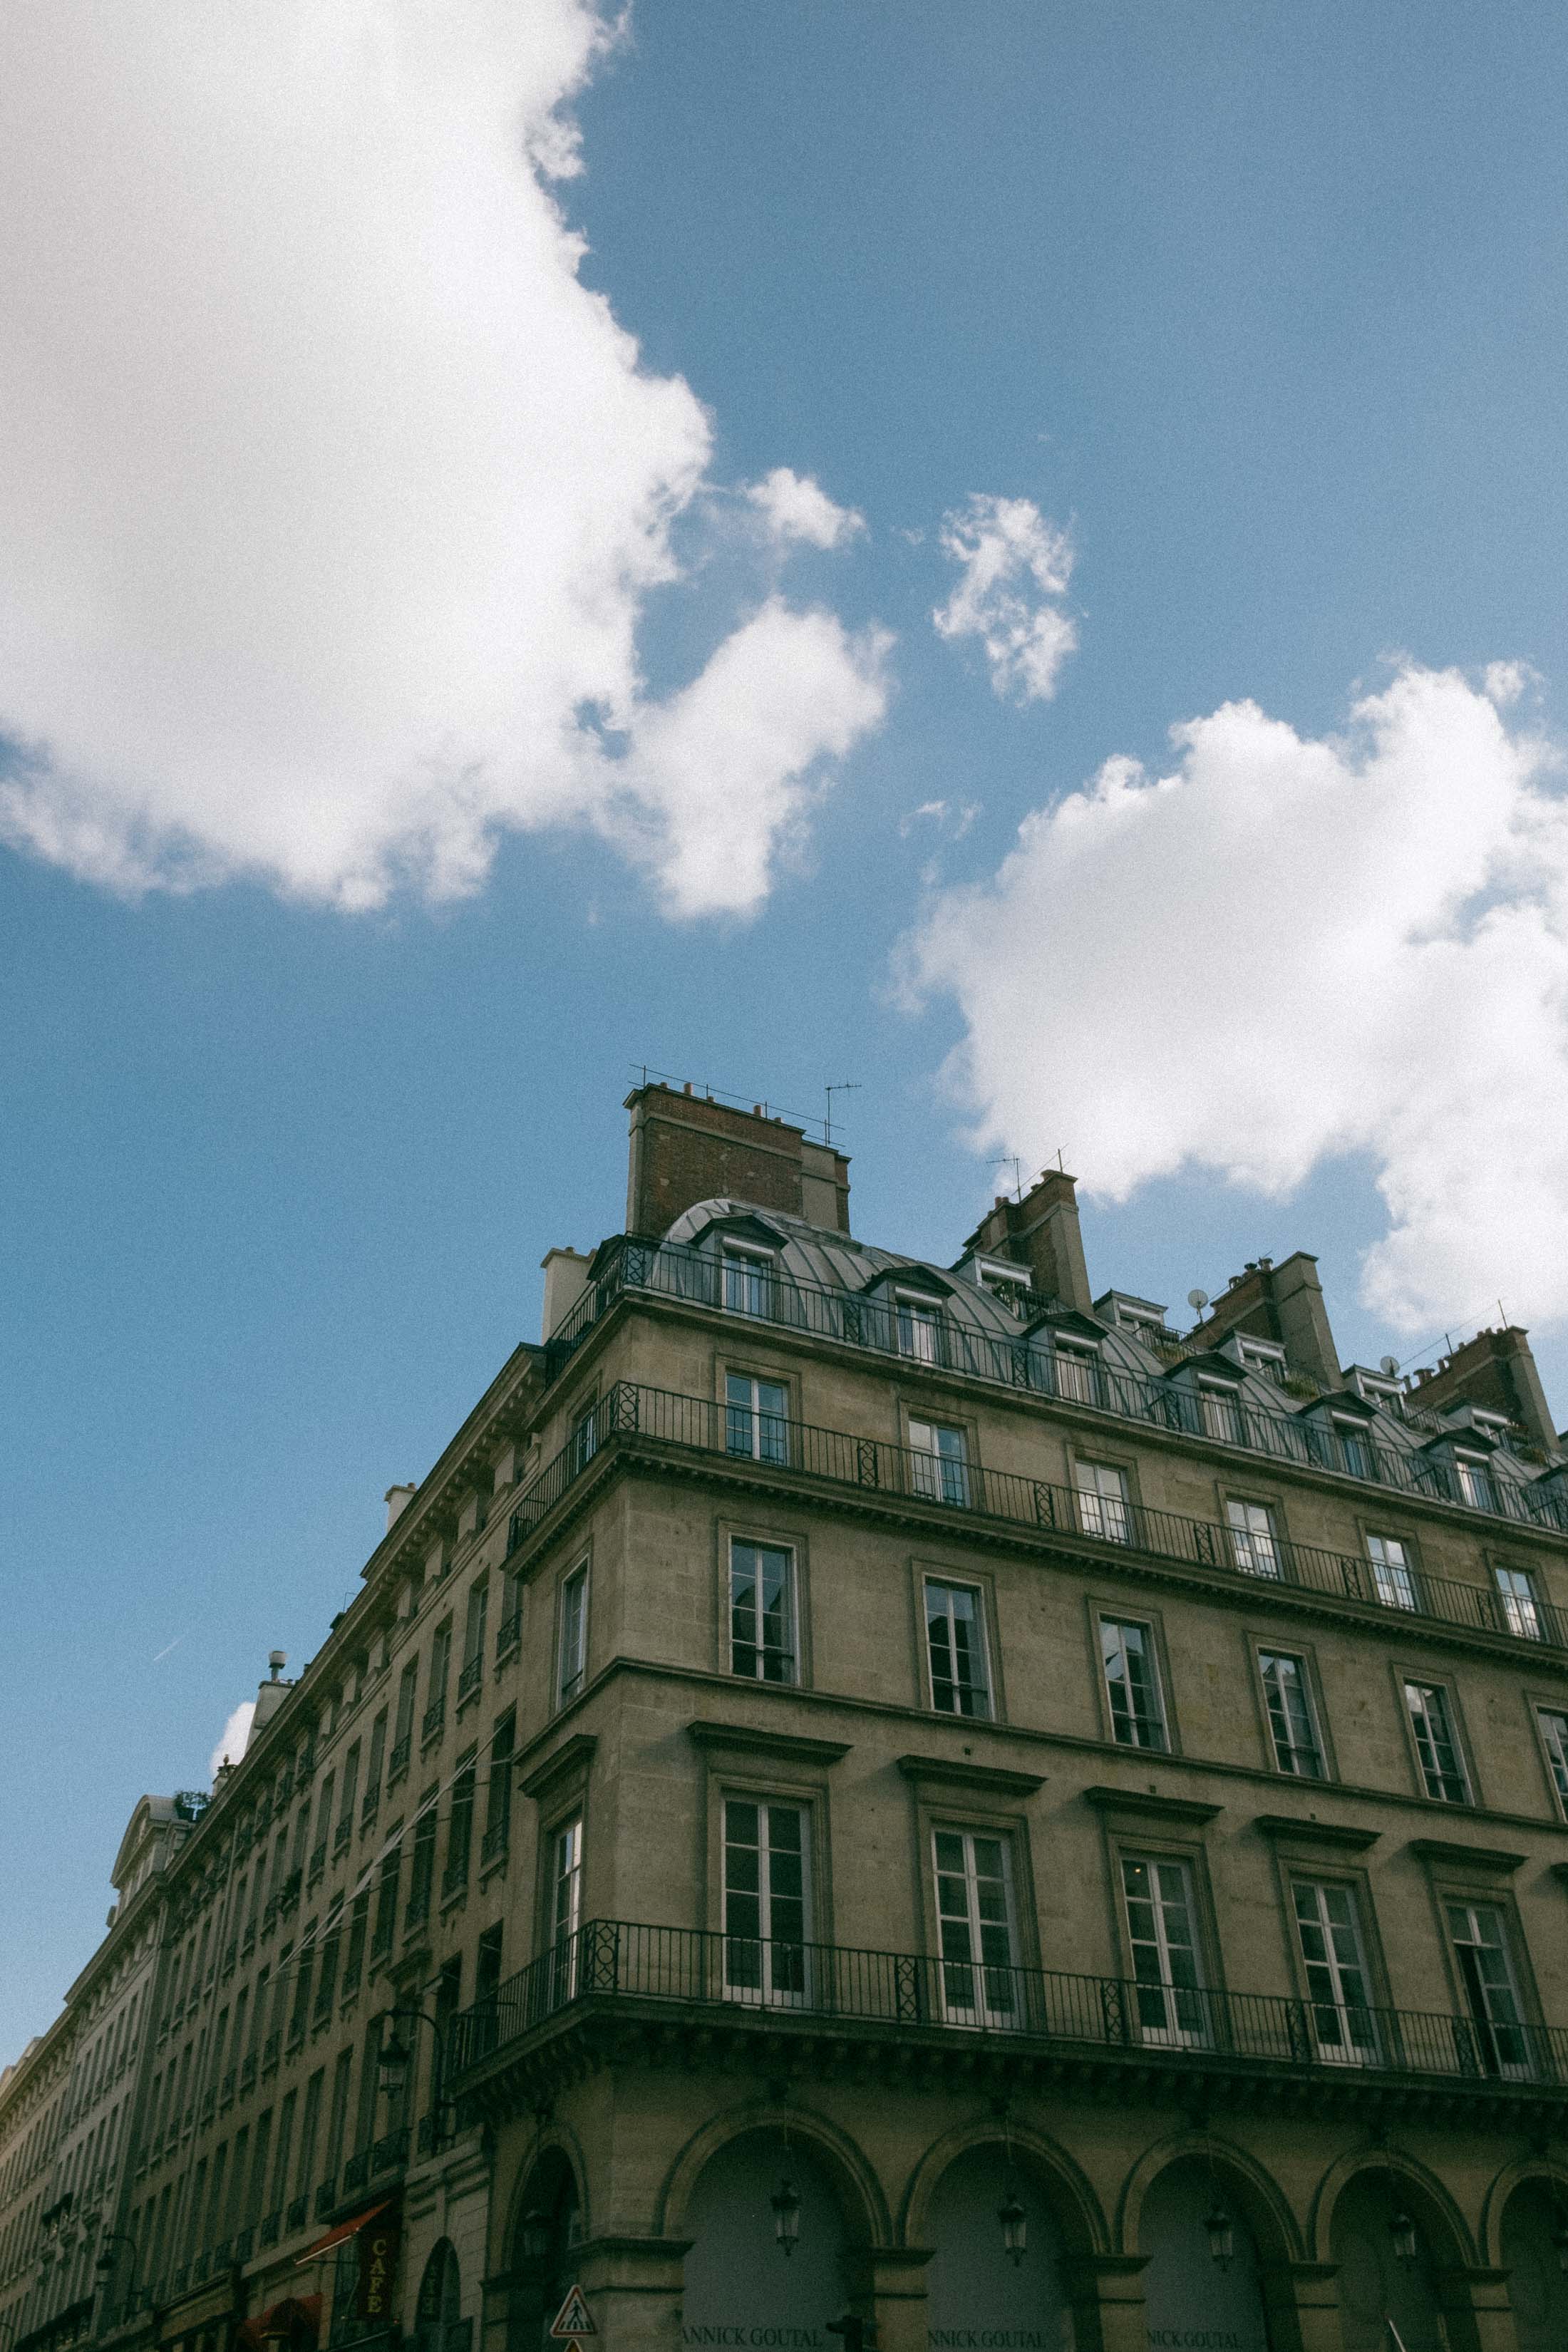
(939, 1463)
(403, 1727)
(762, 1613)
(566, 1905)
(1391, 1578)
(756, 1418)
(338, 2120)
(422, 1870)
(583, 1442)
(1431, 1721)
(1078, 1374)
(474, 1618)
(510, 1630)
(377, 1761)
(1475, 1482)
(975, 1924)
(309, 2129)
(460, 1829)
(1480, 1947)
(1102, 1501)
(1222, 1415)
(1356, 1449)
(498, 1799)
(436, 1688)
(386, 1923)
(1132, 1683)
(1168, 1985)
(748, 1280)
(765, 1897)
(1522, 1613)
(1344, 2025)
(350, 1795)
(916, 1321)
(1254, 1539)
(1296, 1748)
(1554, 1735)
(573, 1660)
(955, 1648)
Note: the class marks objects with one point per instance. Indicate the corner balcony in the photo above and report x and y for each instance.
(686, 1429)
(690, 1996)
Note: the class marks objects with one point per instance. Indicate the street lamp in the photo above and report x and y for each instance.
(786, 2202)
(1402, 2229)
(1222, 2235)
(1015, 2226)
(396, 2059)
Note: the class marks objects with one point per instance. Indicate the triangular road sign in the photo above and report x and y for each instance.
(573, 2318)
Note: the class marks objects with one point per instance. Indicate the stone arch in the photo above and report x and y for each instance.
(548, 2198)
(439, 2303)
(1264, 2206)
(1356, 2204)
(563, 2142)
(1515, 2175)
(1431, 2205)
(1076, 2208)
(859, 2191)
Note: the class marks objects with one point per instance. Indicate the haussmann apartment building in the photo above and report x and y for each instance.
(859, 1792)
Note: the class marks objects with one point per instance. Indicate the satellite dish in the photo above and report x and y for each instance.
(1198, 1299)
(1389, 1364)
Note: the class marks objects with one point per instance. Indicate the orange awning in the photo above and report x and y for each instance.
(344, 2230)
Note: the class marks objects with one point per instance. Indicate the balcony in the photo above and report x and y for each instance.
(271, 2228)
(1108, 2033)
(299, 2212)
(326, 2196)
(227, 2094)
(695, 1427)
(455, 1879)
(471, 1678)
(318, 1863)
(430, 1725)
(271, 2049)
(692, 1278)
(397, 1763)
(342, 1835)
(244, 2246)
(493, 1843)
(247, 2072)
(509, 1636)
(356, 2171)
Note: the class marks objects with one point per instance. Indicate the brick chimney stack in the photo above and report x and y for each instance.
(1496, 1370)
(1041, 1232)
(687, 1147)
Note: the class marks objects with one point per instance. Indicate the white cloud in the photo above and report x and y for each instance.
(793, 507)
(330, 498)
(1288, 950)
(1015, 567)
(232, 1738)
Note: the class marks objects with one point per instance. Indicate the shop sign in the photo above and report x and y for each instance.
(378, 2267)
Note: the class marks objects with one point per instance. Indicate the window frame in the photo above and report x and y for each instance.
(1451, 1890)
(1125, 1846)
(1515, 1607)
(791, 1681)
(765, 1994)
(1301, 1870)
(765, 1266)
(952, 1477)
(1232, 1499)
(1125, 1470)
(1118, 1612)
(1540, 1704)
(1372, 1532)
(979, 2014)
(578, 1574)
(757, 1376)
(953, 1581)
(779, 1535)
(1423, 1677)
(1261, 1644)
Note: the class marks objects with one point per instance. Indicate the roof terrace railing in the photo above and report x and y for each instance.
(869, 1465)
(776, 1978)
(886, 1326)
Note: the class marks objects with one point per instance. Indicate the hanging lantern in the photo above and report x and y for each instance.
(392, 2064)
(786, 2202)
(1015, 2226)
(105, 2263)
(1222, 2235)
(1402, 2229)
(535, 2235)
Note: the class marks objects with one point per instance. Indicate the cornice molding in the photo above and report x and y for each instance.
(1294, 1829)
(958, 1772)
(1190, 1810)
(574, 1755)
(752, 1739)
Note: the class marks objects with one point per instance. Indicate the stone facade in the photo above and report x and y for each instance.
(891, 1795)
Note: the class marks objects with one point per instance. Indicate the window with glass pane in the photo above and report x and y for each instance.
(1480, 1947)
(1222, 1415)
(1516, 1589)
(1132, 1681)
(747, 1278)
(765, 1957)
(980, 1985)
(574, 1634)
(1344, 2025)
(1102, 1501)
(1254, 1540)
(565, 1906)
(1391, 1578)
(1295, 1735)
(761, 1611)
(756, 1422)
(1442, 1767)
(1554, 1732)
(583, 1442)
(1475, 1482)
(1168, 1987)
(1355, 1450)
(916, 1322)
(939, 1463)
(1076, 1375)
(955, 1647)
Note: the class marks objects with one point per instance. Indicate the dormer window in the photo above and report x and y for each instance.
(1356, 1452)
(748, 1276)
(1078, 1368)
(917, 1321)
(1475, 1482)
(1010, 1283)
(1258, 1356)
(1221, 1411)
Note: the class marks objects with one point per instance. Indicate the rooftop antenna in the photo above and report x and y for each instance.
(1389, 1364)
(1197, 1300)
(1012, 1160)
(840, 1086)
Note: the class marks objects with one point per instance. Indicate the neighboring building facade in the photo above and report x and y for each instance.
(899, 1793)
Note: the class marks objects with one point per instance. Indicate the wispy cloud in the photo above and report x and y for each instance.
(232, 1738)
(164, 1653)
(1286, 949)
(1015, 567)
(332, 497)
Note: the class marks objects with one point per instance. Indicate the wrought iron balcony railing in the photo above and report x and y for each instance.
(696, 1277)
(868, 1466)
(610, 1959)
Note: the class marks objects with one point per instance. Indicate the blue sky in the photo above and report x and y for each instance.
(1258, 312)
